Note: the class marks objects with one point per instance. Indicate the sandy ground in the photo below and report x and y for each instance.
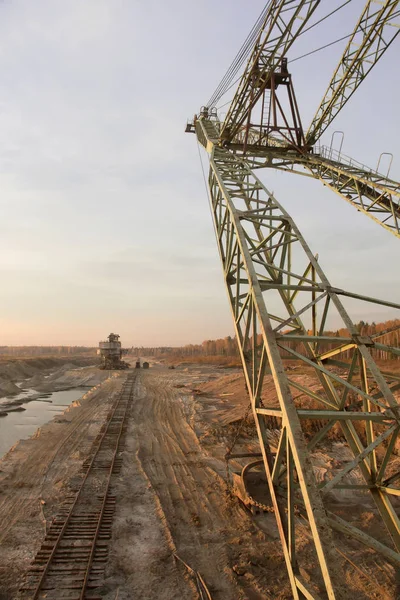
(169, 482)
(172, 496)
(35, 473)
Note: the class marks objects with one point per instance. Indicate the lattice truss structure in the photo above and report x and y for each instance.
(260, 127)
(282, 304)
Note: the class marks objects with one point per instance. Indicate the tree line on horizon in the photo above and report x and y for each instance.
(227, 346)
(20, 351)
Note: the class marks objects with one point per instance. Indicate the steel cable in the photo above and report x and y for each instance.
(240, 58)
(226, 83)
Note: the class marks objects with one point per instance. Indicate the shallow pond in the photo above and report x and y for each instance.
(21, 424)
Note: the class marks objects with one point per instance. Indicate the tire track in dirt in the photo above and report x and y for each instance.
(142, 563)
(203, 521)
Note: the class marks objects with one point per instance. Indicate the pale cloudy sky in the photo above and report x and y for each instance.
(104, 221)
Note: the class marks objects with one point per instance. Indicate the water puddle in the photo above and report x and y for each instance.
(11, 400)
(22, 421)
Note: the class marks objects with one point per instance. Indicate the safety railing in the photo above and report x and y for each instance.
(329, 153)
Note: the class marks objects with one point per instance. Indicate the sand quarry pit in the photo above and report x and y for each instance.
(174, 510)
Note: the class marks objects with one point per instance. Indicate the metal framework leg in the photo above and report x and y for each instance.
(282, 305)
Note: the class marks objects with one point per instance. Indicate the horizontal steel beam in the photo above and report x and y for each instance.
(329, 415)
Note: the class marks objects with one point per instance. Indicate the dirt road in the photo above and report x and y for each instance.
(173, 501)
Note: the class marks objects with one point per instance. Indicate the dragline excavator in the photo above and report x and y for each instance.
(282, 302)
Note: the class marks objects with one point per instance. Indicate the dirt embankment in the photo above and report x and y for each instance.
(38, 380)
(220, 407)
(33, 370)
(219, 362)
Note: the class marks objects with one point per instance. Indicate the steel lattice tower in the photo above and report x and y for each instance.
(282, 301)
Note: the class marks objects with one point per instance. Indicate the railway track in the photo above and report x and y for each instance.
(71, 561)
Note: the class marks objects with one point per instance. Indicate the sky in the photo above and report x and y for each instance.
(104, 218)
